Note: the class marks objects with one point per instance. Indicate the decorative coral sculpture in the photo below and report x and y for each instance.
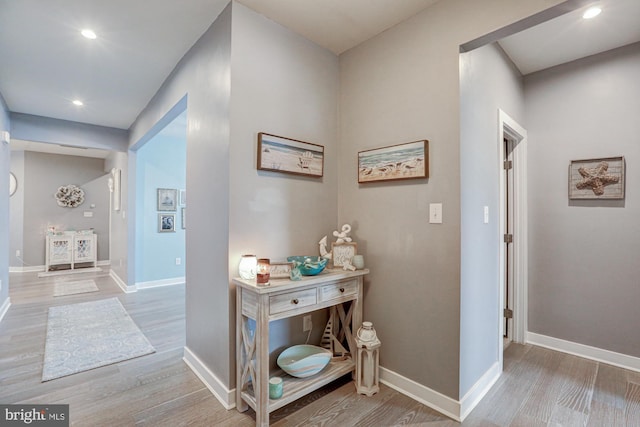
(69, 196)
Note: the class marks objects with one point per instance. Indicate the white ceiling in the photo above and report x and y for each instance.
(569, 37)
(46, 63)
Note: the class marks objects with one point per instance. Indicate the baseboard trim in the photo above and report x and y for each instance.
(27, 269)
(471, 399)
(161, 282)
(225, 396)
(121, 283)
(594, 353)
(4, 308)
(37, 268)
(418, 392)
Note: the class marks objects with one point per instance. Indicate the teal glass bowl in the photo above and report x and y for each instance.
(304, 360)
(309, 265)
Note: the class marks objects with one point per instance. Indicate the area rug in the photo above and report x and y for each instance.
(89, 335)
(71, 288)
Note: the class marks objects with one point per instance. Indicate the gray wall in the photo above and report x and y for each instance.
(285, 85)
(4, 204)
(16, 209)
(583, 255)
(44, 129)
(488, 81)
(203, 74)
(401, 86)
(43, 174)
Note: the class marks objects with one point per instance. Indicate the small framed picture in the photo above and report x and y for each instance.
(343, 253)
(183, 212)
(183, 197)
(280, 270)
(167, 199)
(166, 223)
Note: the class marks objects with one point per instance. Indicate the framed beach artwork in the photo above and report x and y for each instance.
(166, 223)
(183, 215)
(597, 178)
(167, 199)
(397, 162)
(280, 154)
(183, 197)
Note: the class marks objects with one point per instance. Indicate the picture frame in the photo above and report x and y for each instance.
(286, 155)
(601, 178)
(343, 253)
(167, 199)
(183, 217)
(394, 163)
(280, 270)
(183, 197)
(166, 223)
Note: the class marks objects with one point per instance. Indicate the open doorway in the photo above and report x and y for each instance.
(513, 229)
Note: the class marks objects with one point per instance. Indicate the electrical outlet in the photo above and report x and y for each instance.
(178, 261)
(306, 323)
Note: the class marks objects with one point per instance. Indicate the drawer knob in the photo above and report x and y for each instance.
(295, 301)
(342, 290)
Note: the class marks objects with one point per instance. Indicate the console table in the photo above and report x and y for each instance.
(70, 248)
(284, 298)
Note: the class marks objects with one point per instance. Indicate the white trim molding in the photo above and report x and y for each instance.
(593, 353)
(4, 308)
(475, 394)
(420, 393)
(225, 396)
(123, 285)
(162, 282)
(26, 269)
(509, 129)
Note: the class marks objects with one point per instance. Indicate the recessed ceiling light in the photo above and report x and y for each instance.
(88, 33)
(78, 102)
(592, 12)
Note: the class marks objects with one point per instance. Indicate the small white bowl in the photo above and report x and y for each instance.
(304, 360)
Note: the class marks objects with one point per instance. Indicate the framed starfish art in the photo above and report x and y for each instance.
(597, 178)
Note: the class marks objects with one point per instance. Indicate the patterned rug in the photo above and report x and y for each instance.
(71, 288)
(89, 335)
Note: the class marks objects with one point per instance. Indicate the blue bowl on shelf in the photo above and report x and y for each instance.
(309, 265)
(304, 360)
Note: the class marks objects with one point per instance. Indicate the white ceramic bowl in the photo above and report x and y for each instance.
(304, 360)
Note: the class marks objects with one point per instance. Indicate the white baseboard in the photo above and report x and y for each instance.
(4, 308)
(162, 282)
(37, 268)
(471, 399)
(423, 394)
(226, 397)
(121, 283)
(594, 353)
(26, 269)
(457, 410)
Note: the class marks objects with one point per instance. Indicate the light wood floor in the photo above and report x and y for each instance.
(539, 387)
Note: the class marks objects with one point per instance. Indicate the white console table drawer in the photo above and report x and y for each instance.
(291, 301)
(337, 290)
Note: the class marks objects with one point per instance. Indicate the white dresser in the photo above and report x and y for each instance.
(71, 248)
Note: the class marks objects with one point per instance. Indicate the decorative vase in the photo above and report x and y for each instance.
(358, 262)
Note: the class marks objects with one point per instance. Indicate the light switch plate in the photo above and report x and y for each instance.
(435, 213)
(486, 214)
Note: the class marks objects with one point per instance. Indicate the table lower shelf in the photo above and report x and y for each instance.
(295, 388)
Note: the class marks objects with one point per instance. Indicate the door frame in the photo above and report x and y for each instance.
(509, 129)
